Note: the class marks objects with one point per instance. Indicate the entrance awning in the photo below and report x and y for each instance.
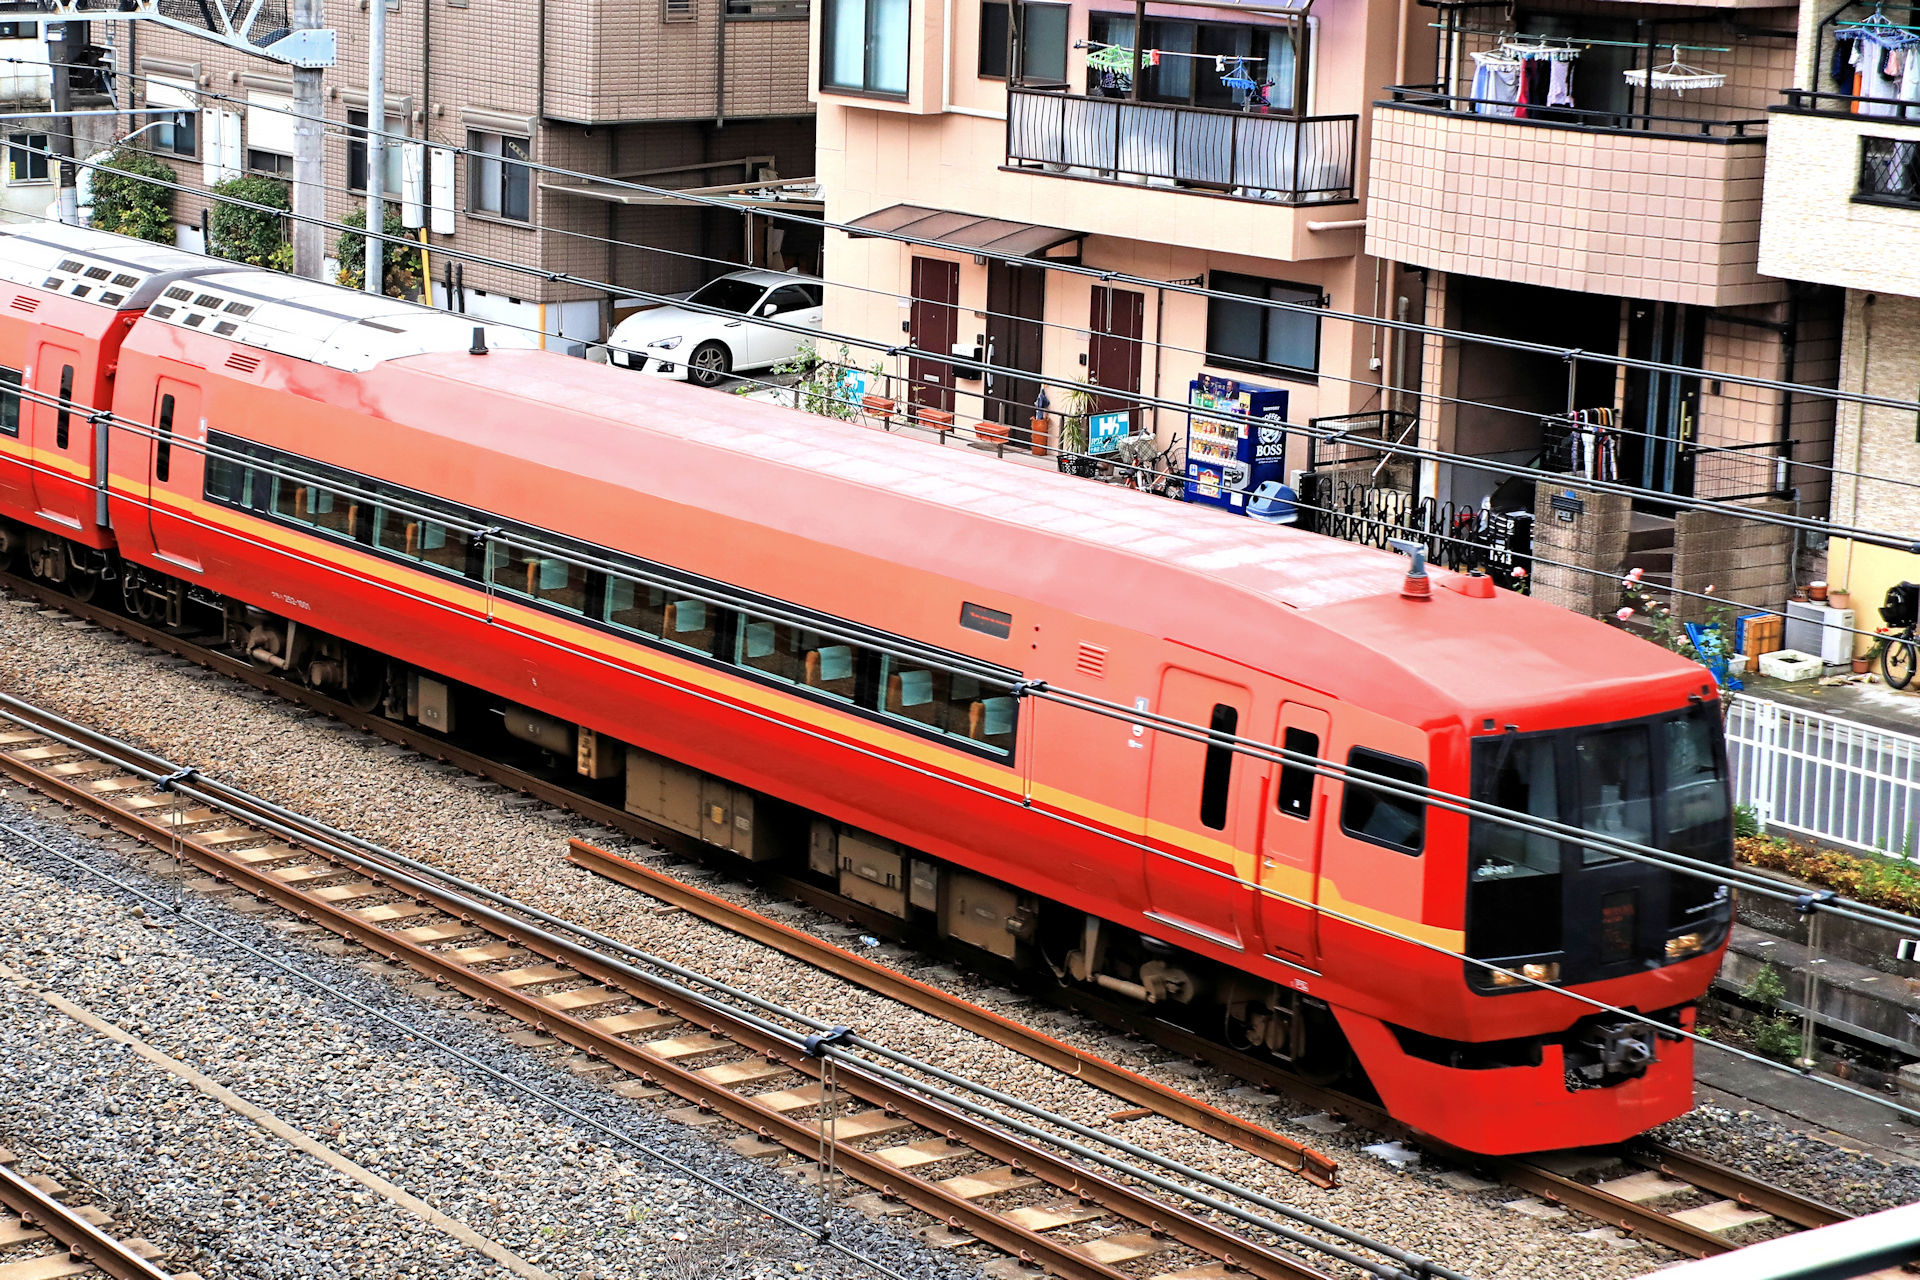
(964, 230)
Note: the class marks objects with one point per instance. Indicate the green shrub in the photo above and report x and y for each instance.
(400, 266)
(1777, 1037)
(126, 203)
(257, 237)
(1746, 821)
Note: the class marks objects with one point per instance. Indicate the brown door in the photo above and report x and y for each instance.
(1016, 306)
(934, 326)
(1113, 354)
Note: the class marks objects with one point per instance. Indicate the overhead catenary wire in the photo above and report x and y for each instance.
(1905, 543)
(1099, 274)
(1818, 902)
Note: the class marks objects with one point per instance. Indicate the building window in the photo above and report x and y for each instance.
(270, 134)
(676, 10)
(498, 181)
(1186, 81)
(178, 134)
(1041, 39)
(357, 155)
(1246, 335)
(1889, 171)
(26, 157)
(864, 46)
(785, 10)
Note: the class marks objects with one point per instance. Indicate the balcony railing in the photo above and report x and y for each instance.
(1434, 98)
(1294, 160)
(1814, 103)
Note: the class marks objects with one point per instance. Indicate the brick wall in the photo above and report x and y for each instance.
(1592, 546)
(1746, 563)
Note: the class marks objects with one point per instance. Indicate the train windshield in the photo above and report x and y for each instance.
(1660, 781)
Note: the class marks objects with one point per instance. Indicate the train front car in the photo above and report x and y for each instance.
(1561, 719)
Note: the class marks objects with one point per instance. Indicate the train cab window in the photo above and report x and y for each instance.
(1514, 880)
(9, 402)
(163, 441)
(63, 427)
(1380, 817)
(957, 705)
(797, 656)
(635, 606)
(1615, 796)
(689, 623)
(1294, 796)
(1216, 778)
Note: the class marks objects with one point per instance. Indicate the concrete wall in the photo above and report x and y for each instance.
(1812, 229)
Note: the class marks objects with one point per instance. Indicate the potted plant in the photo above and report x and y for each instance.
(1076, 409)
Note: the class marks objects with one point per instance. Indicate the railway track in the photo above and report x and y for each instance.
(1635, 1207)
(43, 1238)
(787, 1090)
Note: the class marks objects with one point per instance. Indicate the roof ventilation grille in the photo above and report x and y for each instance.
(1093, 661)
(241, 362)
(21, 302)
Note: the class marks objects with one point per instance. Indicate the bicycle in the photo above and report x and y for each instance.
(1899, 655)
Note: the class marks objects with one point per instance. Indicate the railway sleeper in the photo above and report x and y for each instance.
(889, 887)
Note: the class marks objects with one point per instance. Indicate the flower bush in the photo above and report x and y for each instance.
(1880, 880)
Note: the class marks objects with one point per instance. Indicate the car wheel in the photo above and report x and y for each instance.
(709, 363)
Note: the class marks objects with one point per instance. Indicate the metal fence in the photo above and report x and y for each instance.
(1810, 774)
(1457, 536)
(1286, 159)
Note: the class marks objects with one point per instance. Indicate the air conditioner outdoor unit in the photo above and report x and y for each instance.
(1819, 629)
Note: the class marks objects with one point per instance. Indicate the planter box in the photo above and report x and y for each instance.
(1792, 665)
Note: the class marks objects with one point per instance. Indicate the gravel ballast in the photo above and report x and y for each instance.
(220, 1193)
(428, 811)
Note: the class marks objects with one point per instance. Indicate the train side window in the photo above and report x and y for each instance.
(1216, 778)
(550, 579)
(635, 606)
(226, 475)
(63, 428)
(163, 441)
(10, 385)
(797, 656)
(957, 705)
(688, 623)
(404, 529)
(1379, 817)
(1295, 794)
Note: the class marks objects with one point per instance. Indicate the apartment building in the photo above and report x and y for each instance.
(1180, 144)
(1843, 210)
(671, 93)
(1587, 177)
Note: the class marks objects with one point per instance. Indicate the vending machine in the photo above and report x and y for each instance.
(1236, 440)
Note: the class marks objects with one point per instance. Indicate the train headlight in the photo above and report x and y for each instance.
(1542, 972)
(1685, 945)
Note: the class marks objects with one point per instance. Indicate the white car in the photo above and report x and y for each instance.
(676, 342)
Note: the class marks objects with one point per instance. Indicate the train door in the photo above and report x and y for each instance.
(16, 480)
(1191, 788)
(58, 439)
(177, 472)
(1290, 816)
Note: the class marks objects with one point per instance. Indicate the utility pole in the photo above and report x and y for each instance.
(376, 144)
(309, 157)
(62, 52)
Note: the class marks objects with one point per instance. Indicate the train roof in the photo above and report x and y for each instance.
(112, 271)
(323, 323)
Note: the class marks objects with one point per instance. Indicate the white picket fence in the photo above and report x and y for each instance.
(1810, 774)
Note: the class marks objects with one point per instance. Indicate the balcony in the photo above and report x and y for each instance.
(1606, 202)
(1280, 159)
(1843, 192)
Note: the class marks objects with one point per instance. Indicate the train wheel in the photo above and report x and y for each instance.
(82, 584)
(366, 678)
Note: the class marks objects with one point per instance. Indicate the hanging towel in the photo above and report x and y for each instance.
(1560, 87)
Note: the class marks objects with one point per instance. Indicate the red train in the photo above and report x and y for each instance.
(800, 640)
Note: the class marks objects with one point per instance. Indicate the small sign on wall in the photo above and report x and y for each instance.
(1566, 506)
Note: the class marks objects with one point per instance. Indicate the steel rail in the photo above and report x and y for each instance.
(1035, 1044)
(66, 1225)
(1709, 1175)
(1612, 1210)
(803, 1137)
